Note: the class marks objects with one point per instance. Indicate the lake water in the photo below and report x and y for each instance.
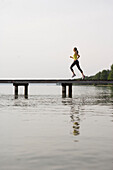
(48, 132)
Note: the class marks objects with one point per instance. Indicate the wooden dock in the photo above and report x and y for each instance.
(63, 82)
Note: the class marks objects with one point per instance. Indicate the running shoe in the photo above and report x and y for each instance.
(73, 75)
(83, 77)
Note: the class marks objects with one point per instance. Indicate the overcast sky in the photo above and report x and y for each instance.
(37, 37)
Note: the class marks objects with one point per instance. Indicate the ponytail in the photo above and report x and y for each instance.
(76, 49)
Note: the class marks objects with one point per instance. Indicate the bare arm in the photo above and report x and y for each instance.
(71, 57)
(78, 56)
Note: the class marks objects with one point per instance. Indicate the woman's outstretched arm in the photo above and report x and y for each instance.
(71, 57)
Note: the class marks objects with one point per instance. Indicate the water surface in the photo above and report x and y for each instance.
(48, 132)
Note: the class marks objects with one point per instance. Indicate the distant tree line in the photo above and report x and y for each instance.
(102, 75)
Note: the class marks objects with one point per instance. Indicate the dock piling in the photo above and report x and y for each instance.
(70, 90)
(62, 82)
(16, 91)
(63, 90)
(25, 89)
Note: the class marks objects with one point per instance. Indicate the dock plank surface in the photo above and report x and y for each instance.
(56, 81)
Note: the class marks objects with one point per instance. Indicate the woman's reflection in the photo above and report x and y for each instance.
(74, 115)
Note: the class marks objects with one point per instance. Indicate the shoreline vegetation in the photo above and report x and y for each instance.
(102, 75)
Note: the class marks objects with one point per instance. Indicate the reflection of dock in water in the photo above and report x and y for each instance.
(76, 106)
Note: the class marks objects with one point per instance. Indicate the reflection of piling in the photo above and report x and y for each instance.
(25, 89)
(64, 90)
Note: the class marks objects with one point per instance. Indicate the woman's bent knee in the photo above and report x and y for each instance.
(71, 68)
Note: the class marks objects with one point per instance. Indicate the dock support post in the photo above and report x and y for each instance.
(70, 90)
(63, 90)
(26, 91)
(16, 91)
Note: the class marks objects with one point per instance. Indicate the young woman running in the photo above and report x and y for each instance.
(76, 62)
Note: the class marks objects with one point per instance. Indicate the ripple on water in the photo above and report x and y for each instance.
(51, 132)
